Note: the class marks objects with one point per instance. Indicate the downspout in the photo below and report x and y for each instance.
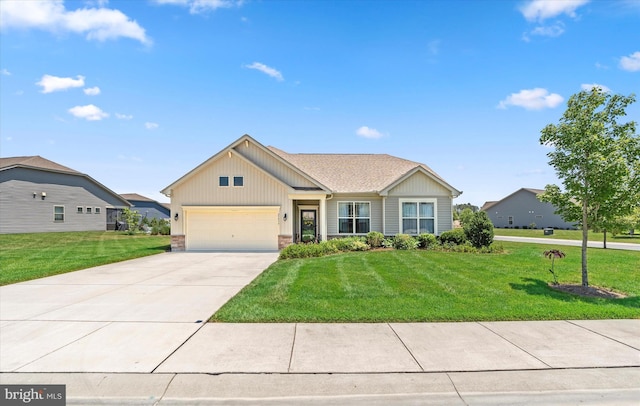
(384, 215)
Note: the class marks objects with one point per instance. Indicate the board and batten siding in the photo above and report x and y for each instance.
(332, 211)
(203, 189)
(23, 210)
(272, 165)
(419, 186)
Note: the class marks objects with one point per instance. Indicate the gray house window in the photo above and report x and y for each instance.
(88, 210)
(97, 210)
(510, 220)
(223, 181)
(58, 214)
(80, 210)
(418, 217)
(354, 217)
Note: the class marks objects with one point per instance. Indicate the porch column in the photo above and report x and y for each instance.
(323, 218)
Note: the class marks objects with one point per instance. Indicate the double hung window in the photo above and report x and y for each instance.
(418, 217)
(354, 217)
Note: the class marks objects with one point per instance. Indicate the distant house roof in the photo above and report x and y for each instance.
(36, 162)
(355, 173)
(136, 197)
(487, 205)
(39, 163)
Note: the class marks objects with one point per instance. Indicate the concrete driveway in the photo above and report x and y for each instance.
(127, 317)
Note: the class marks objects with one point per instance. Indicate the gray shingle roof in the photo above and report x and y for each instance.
(353, 173)
(35, 161)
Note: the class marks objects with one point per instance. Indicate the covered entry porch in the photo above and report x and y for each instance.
(309, 218)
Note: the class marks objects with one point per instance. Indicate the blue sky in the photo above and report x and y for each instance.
(137, 93)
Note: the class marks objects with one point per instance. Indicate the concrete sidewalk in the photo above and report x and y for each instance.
(575, 243)
(134, 333)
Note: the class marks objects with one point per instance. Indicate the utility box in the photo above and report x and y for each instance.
(548, 231)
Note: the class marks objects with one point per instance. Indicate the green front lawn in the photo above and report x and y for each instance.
(418, 286)
(567, 235)
(30, 256)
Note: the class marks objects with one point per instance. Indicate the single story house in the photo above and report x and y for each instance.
(146, 207)
(523, 209)
(252, 197)
(39, 195)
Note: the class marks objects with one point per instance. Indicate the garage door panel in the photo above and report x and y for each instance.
(232, 230)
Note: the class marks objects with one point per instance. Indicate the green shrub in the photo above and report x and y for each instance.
(349, 244)
(456, 236)
(301, 250)
(427, 241)
(404, 242)
(479, 230)
(387, 243)
(375, 239)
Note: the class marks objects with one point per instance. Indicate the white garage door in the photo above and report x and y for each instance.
(232, 228)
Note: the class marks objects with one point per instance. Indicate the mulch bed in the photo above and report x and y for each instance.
(588, 291)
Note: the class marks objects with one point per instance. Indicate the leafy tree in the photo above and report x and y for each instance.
(459, 207)
(479, 230)
(465, 216)
(597, 160)
(132, 218)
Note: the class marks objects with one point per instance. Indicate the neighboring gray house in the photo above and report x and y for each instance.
(147, 208)
(38, 195)
(252, 197)
(521, 209)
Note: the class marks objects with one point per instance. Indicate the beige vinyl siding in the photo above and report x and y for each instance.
(272, 165)
(332, 211)
(444, 216)
(419, 186)
(202, 189)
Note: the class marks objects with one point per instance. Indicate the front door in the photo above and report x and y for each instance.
(308, 225)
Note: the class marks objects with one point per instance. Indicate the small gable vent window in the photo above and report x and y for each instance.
(97, 210)
(223, 181)
(80, 210)
(238, 181)
(88, 210)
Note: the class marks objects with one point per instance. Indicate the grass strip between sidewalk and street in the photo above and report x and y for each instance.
(575, 235)
(422, 286)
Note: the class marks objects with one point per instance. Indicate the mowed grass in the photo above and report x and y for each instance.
(30, 256)
(567, 235)
(421, 286)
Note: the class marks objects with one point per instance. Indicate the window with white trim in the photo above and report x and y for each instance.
(223, 181)
(88, 210)
(58, 214)
(238, 181)
(97, 210)
(418, 216)
(354, 217)
(80, 210)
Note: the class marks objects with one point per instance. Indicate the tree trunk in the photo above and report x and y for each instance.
(585, 238)
(604, 245)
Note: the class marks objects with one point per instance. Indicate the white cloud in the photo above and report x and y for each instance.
(532, 99)
(367, 132)
(51, 83)
(203, 6)
(266, 69)
(540, 10)
(589, 86)
(5, 72)
(631, 63)
(92, 91)
(151, 126)
(51, 15)
(123, 116)
(554, 30)
(88, 112)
